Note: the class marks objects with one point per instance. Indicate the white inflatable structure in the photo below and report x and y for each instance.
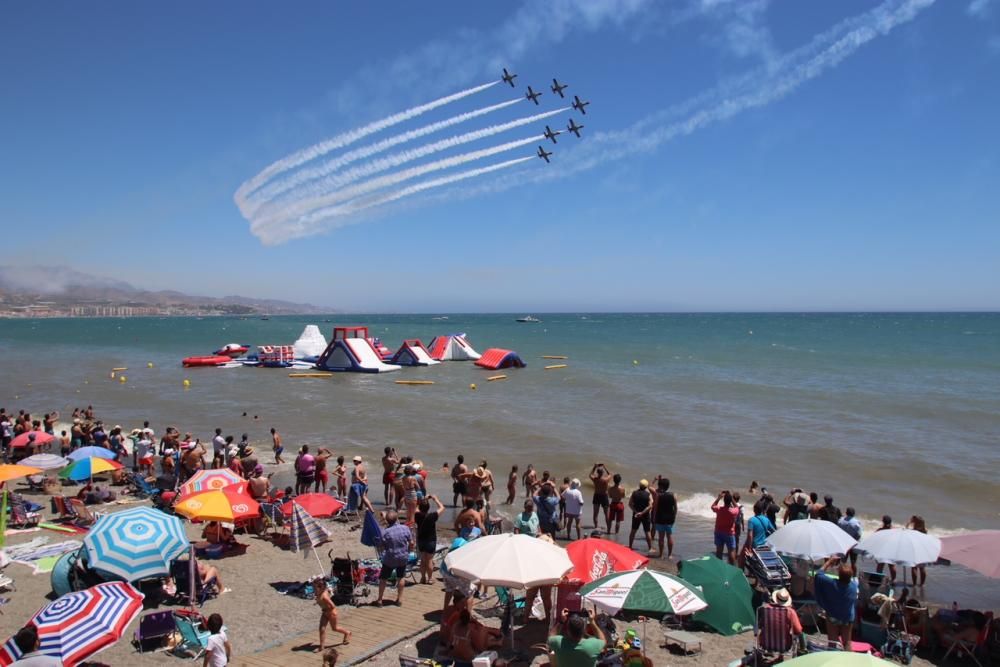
(453, 347)
(310, 343)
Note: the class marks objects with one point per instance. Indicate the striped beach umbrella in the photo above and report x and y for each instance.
(208, 480)
(230, 503)
(87, 468)
(78, 625)
(644, 591)
(45, 461)
(306, 533)
(91, 451)
(135, 544)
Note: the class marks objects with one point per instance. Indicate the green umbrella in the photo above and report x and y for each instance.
(644, 591)
(727, 591)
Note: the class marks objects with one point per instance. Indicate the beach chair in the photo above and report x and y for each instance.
(966, 647)
(20, 517)
(65, 510)
(503, 599)
(271, 518)
(193, 641)
(144, 489)
(153, 630)
(773, 636)
(84, 517)
(180, 571)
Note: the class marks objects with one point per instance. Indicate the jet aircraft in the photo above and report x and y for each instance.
(508, 77)
(579, 104)
(532, 95)
(557, 88)
(542, 153)
(573, 127)
(549, 134)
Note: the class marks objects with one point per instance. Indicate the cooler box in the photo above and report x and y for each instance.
(485, 659)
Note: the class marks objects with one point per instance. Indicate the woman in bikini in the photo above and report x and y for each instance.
(411, 495)
(328, 613)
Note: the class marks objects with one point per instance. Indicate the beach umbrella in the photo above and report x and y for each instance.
(515, 561)
(306, 532)
(644, 591)
(32, 438)
(594, 558)
(12, 471)
(230, 503)
(811, 539)
(976, 550)
(371, 532)
(135, 544)
(727, 591)
(317, 504)
(45, 461)
(78, 625)
(87, 468)
(91, 451)
(208, 480)
(837, 659)
(901, 546)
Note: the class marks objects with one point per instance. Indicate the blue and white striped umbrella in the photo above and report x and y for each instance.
(135, 544)
(79, 624)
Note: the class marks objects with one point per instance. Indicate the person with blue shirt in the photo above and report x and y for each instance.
(837, 595)
(850, 525)
(759, 527)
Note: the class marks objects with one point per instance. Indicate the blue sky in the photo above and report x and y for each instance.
(737, 155)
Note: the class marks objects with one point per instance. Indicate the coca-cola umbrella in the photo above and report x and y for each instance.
(594, 558)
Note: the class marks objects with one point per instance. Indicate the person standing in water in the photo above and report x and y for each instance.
(276, 446)
(601, 478)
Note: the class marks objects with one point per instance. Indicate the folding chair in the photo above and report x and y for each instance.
(773, 634)
(153, 630)
(64, 509)
(20, 517)
(963, 647)
(84, 517)
(503, 599)
(193, 640)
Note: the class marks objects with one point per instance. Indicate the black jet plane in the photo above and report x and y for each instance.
(532, 95)
(549, 134)
(543, 154)
(579, 104)
(508, 77)
(557, 88)
(573, 127)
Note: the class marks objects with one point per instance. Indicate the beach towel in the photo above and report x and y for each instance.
(45, 556)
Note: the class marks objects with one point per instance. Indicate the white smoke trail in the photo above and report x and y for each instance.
(325, 191)
(341, 140)
(297, 230)
(389, 180)
(269, 192)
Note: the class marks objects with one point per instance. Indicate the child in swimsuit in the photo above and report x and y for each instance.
(328, 613)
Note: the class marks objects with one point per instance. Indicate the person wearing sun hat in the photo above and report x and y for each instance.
(782, 599)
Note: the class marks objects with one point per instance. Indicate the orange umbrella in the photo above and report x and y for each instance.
(9, 471)
(230, 504)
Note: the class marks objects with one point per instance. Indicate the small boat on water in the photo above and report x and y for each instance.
(208, 360)
(528, 318)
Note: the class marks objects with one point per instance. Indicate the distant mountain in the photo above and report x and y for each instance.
(68, 287)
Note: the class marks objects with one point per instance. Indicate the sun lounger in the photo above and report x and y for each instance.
(193, 641)
(154, 628)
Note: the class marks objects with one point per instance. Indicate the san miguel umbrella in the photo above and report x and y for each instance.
(91, 451)
(727, 591)
(976, 550)
(811, 540)
(644, 591)
(45, 461)
(86, 468)
(306, 532)
(901, 546)
(135, 544)
(32, 438)
(78, 625)
(208, 480)
(231, 504)
(594, 558)
(318, 505)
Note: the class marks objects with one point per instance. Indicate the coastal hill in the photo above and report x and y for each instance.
(63, 292)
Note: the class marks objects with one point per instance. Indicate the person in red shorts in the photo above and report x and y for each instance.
(616, 496)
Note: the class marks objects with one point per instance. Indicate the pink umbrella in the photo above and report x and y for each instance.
(32, 437)
(976, 550)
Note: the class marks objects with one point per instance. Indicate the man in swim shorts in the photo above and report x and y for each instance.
(616, 496)
(601, 478)
(458, 486)
(664, 516)
(277, 446)
(389, 462)
(641, 504)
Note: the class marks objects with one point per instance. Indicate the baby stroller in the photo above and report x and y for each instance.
(350, 580)
(899, 644)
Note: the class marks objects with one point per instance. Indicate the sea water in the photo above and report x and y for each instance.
(893, 414)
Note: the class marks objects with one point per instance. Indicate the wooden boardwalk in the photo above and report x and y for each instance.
(374, 629)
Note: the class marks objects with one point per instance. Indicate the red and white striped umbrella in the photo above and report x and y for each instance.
(78, 625)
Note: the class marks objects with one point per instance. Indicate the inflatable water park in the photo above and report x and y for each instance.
(352, 349)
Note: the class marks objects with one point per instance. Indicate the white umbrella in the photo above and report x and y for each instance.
(515, 561)
(811, 539)
(45, 461)
(901, 546)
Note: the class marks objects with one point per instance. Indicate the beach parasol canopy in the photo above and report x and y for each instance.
(230, 504)
(87, 468)
(976, 550)
(594, 558)
(901, 546)
(208, 480)
(643, 591)
(515, 561)
(78, 625)
(31, 438)
(317, 504)
(45, 461)
(91, 451)
(811, 539)
(727, 591)
(135, 544)
(837, 659)
(10, 471)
